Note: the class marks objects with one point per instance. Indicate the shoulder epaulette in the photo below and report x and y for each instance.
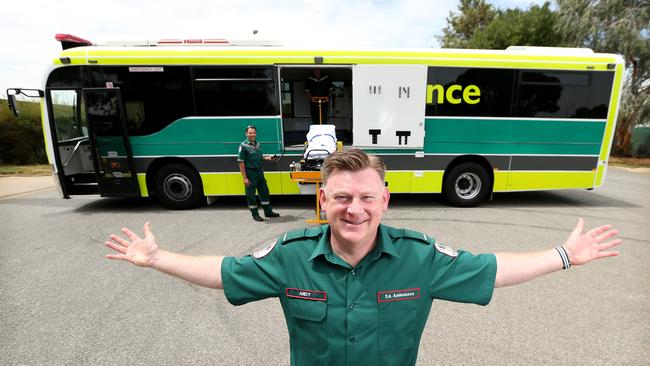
(409, 234)
(306, 233)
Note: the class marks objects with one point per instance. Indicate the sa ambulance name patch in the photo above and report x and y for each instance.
(398, 295)
(446, 250)
(264, 251)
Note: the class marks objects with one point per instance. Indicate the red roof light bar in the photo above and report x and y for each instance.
(70, 41)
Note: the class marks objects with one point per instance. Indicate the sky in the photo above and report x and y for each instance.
(28, 27)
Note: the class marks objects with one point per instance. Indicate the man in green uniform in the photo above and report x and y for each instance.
(356, 291)
(250, 165)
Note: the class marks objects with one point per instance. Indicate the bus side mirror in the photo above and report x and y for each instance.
(11, 100)
(13, 103)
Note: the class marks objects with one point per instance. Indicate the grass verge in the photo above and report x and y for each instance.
(24, 170)
(627, 162)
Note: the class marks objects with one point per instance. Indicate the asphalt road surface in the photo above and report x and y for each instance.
(61, 302)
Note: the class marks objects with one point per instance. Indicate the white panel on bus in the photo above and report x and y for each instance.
(389, 105)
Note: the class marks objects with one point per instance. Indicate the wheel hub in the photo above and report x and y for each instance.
(468, 186)
(177, 187)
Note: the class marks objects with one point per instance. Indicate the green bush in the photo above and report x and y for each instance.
(21, 138)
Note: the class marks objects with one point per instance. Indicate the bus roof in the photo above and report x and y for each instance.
(247, 52)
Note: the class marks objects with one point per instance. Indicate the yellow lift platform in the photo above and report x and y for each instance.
(310, 177)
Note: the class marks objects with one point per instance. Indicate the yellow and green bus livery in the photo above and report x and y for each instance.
(166, 118)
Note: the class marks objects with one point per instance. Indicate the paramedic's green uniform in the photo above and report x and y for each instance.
(250, 153)
(372, 314)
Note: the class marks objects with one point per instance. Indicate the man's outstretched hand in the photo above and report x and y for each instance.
(583, 248)
(139, 251)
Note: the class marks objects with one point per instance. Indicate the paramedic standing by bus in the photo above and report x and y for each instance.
(250, 165)
(319, 87)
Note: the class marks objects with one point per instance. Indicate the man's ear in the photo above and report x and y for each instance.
(322, 197)
(386, 197)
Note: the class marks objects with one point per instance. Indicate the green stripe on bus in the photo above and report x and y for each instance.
(513, 136)
(207, 136)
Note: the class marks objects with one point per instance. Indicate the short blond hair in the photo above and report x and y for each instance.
(352, 160)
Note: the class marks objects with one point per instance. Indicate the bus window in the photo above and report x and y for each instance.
(459, 91)
(234, 91)
(69, 122)
(153, 97)
(563, 94)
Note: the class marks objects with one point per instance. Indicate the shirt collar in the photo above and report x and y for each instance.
(384, 245)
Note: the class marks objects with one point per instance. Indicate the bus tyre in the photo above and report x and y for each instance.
(466, 185)
(178, 187)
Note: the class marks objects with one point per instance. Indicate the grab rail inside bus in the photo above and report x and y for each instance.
(74, 151)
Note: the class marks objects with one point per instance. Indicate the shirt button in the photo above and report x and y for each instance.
(353, 339)
(352, 306)
(354, 272)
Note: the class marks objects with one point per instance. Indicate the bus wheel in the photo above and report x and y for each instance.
(466, 185)
(178, 187)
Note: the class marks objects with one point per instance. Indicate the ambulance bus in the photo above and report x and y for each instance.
(166, 118)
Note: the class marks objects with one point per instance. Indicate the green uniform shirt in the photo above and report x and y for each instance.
(250, 154)
(372, 314)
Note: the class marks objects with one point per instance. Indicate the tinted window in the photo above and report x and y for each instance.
(454, 91)
(560, 94)
(235, 91)
(66, 77)
(153, 97)
(104, 113)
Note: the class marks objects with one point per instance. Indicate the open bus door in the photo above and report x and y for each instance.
(111, 150)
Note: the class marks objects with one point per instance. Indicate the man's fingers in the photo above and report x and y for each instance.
(605, 235)
(119, 240)
(578, 229)
(599, 230)
(130, 234)
(147, 229)
(119, 257)
(117, 248)
(607, 254)
(608, 245)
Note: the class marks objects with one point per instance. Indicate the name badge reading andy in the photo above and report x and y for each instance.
(307, 294)
(398, 295)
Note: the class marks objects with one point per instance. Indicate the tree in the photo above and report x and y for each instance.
(479, 25)
(516, 27)
(615, 26)
(608, 26)
(474, 16)
(21, 138)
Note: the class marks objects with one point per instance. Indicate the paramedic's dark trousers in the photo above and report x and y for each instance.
(257, 182)
(314, 112)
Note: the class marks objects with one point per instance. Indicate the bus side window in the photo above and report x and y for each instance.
(235, 91)
(459, 91)
(152, 100)
(565, 94)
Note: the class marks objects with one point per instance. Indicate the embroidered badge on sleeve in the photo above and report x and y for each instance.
(446, 250)
(264, 251)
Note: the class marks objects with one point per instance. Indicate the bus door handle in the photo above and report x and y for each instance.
(74, 151)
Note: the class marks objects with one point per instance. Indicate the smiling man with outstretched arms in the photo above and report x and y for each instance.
(356, 291)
